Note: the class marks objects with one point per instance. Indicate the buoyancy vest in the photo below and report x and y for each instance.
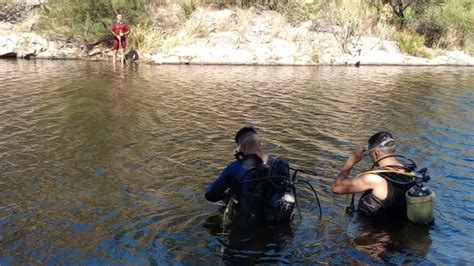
(263, 192)
(395, 203)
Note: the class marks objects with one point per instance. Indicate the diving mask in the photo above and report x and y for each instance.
(387, 143)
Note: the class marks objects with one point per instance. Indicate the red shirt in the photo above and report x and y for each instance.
(120, 27)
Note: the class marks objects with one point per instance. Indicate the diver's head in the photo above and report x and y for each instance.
(119, 17)
(248, 140)
(381, 144)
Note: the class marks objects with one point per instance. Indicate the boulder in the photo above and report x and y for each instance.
(458, 57)
(94, 52)
(282, 49)
(8, 45)
(224, 38)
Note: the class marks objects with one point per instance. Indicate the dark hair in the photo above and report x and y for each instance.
(378, 138)
(243, 133)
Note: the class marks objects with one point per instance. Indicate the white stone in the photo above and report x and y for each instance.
(458, 57)
(95, 51)
(390, 47)
(282, 48)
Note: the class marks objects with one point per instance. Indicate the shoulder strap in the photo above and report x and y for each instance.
(386, 174)
(250, 163)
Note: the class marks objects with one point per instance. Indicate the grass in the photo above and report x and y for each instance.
(89, 20)
(145, 37)
(196, 27)
(412, 44)
(446, 26)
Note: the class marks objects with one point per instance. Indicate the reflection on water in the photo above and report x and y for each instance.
(391, 241)
(109, 165)
(244, 245)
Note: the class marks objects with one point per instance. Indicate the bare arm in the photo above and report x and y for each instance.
(344, 184)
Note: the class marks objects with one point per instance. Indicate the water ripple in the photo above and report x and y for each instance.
(108, 165)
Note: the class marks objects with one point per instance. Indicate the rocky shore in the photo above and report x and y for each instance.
(265, 40)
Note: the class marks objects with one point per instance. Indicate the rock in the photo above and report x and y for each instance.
(325, 40)
(5, 26)
(458, 57)
(187, 51)
(260, 39)
(378, 57)
(68, 53)
(440, 60)
(224, 38)
(358, 46)
(390, 47)
(213, 16)
(286, 61)
(8, 46)
(161, 59)
(327, 59)
(261, 53)
(282, 49)
(304, 60)
(48, 54)
(14, 13)
(223, 56)
(293, 34)
(94, 52)
(307, 25)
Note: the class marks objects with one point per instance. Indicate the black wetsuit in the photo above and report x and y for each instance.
(256, 200)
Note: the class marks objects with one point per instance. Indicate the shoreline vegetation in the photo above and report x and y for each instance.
(246, 32)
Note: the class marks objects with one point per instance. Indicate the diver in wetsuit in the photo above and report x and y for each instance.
(384, 188)
(255, 186)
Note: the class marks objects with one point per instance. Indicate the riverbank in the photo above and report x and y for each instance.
(252, 36)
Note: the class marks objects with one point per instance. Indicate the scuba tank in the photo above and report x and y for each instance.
(420, 200)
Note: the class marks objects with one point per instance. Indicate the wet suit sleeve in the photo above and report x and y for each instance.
(216, 190)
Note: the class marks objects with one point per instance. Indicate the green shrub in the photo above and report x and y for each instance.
(89, 20)
(458, 16)
(188, 9)
(448, 24)
(412, 44)
(145, 37)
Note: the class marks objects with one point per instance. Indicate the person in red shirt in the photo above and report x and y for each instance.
(120, 30)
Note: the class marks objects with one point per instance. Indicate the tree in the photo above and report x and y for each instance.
(400, 6)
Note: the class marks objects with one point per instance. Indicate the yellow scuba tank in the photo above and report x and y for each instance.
(420, 204)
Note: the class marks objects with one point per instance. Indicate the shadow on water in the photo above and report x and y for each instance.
(246, 245)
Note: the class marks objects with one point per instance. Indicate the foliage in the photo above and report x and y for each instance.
(448, 24)
(412, 44)
(354, 17)
(443, 24)
(145, 37)
(188, 9)
(89, 20)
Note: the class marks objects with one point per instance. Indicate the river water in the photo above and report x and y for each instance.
(108, 165)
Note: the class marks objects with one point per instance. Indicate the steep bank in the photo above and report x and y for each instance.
(230, 36)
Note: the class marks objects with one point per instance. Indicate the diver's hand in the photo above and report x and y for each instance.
(357, 155)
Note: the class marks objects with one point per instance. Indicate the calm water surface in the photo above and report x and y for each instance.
(109, 166)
